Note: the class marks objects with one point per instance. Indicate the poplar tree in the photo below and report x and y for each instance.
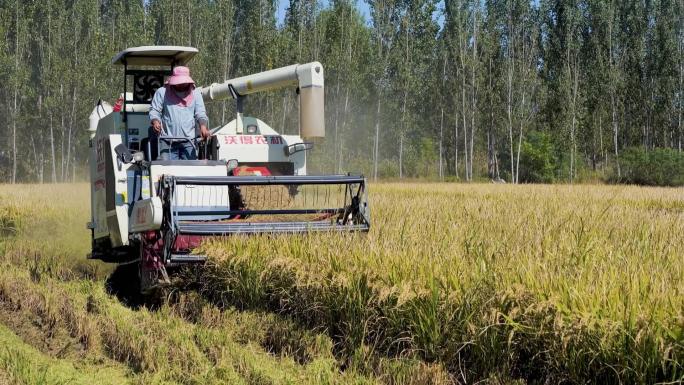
(459, 88)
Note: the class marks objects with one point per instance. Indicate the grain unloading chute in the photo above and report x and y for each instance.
(249, 179)
(308, 78)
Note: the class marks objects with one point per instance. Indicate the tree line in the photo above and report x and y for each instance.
(519, 90)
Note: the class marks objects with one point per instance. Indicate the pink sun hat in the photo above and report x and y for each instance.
(181, 75)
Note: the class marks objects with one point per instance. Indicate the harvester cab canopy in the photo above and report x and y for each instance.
(145, 68)
(162, 55)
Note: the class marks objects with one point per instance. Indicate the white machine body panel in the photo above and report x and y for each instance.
(202, 196)
(189, 195)
(259, 143)
(102, 144)
(159, 170)
(109, 184)
(147, 215)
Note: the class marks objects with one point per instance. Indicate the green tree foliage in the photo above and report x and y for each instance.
(537, 159)
(657, 167)
(451, 88)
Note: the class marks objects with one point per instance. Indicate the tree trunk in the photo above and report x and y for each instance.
(473, 107)
(615, 132)
(345, 114)
(462, 51)
(441, 123)
(491, 140)
(613, 113)
(520, 136)
(335, 131)
(377, 142)
(344, 125)
(465, 133)
(15, 113)
(510, 69)
(401, 134)
(286, 108)
(36, 156)
(35, 150)
(573, 140)
(42, 168)
(441, 140)
(52, 151)
(74, 96)
(62, 131)
(602, 150)
(401, 153)
(456, 147)
(509, 110)
(465, 127)
(681, 96)
(403, 108)
(227, 58)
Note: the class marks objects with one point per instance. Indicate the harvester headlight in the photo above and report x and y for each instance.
(138, 156)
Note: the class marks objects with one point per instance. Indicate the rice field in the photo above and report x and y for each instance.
(454, 284)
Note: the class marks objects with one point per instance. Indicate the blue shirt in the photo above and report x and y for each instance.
(178, 121)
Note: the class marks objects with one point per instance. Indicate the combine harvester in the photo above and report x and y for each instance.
(249, 179)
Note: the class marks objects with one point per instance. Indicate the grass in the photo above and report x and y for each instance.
(454, 284)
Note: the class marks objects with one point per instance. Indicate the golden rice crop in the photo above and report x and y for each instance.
(453, 284)
(60, 321)
(560, 283)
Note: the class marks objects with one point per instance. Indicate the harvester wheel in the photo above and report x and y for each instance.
(151, 271)
(125, 284)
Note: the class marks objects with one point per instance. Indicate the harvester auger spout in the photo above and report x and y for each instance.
(249, 178)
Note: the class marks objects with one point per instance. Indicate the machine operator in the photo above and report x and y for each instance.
(175, 111)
